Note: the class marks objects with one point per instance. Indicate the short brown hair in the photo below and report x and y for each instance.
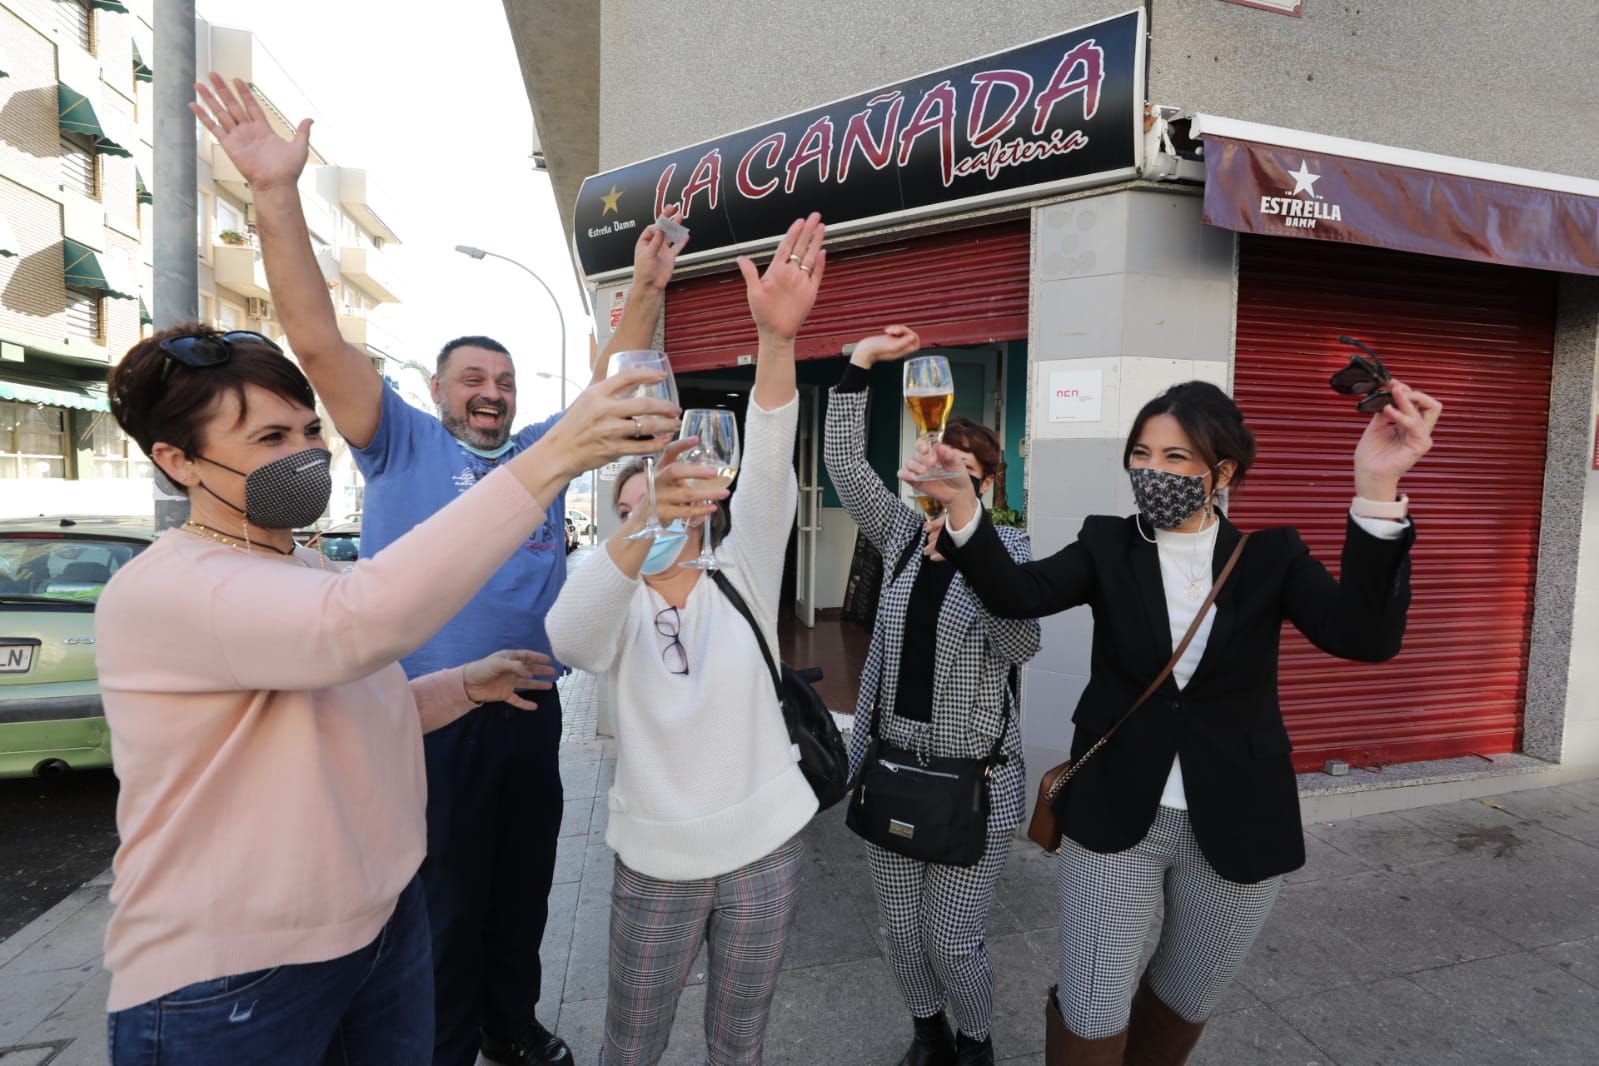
(173, 407)
(982, 442)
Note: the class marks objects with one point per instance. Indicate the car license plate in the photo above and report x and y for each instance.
(16, 658)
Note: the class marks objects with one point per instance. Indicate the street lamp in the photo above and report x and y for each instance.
(479, 253)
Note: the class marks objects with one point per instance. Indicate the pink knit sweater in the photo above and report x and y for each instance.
(269, 746)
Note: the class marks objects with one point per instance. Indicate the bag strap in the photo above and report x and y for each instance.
(760, 638)
(1160, 679)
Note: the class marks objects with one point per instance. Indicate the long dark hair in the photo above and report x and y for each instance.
(1210, 419)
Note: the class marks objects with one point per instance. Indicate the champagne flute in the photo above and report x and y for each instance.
(717, 431)
(648, 359)
(930, 395)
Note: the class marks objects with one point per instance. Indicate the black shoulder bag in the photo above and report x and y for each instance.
(823, 758)
(931, 809)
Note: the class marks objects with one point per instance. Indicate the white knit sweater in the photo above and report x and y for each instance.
(706, 779)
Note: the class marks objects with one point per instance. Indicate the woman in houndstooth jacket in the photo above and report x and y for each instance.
(935, 916)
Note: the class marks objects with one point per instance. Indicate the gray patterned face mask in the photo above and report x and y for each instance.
(1167, 500)
(287, 493)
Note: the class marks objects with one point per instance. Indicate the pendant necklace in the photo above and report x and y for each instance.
(1196, 573)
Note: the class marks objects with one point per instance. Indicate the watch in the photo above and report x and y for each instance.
(1397, 510)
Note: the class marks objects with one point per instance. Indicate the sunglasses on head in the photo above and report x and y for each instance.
(203, 352)
(1364, 377)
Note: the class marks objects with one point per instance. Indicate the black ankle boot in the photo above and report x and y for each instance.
(932, 1045)
(969, 1052)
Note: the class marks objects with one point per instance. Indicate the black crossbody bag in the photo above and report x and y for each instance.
(932, 809)
(823, 758)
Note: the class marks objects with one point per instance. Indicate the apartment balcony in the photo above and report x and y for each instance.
(366, 269)
(226, 174)
(353, 329)
(238, 267)
(354, 196)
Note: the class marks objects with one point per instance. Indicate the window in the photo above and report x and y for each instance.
(61, 567)
(80, 166)
(229, 317)
(33, 440)
(76, 20)
(85, 315)
(208, 308)
(228, 217)
(115, 454)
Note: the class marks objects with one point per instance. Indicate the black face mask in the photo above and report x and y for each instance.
(287, 493)
(977, 486)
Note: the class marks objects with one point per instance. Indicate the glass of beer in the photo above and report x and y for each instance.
(717, 431)
(930, 395)
(930, 507)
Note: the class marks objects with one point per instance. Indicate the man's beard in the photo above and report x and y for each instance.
(461, 428)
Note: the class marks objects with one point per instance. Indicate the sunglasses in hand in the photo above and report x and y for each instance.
(1366, 377)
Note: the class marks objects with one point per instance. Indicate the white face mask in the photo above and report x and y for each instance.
(664, 552)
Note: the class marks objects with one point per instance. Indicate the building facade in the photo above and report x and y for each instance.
(76, 242)
(1452, 232)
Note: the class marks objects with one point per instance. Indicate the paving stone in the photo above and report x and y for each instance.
(580, 780)
(76, 942)
(575, 817)
(1393, 1023)
(1022, 977)
(30, 998)
(1489, 827)
(599, 868)
(828, 928)
(556, 948)
(1384, 841)
(1580, 958)
(569, 855)
(834, 1014)
(28, 1056)
(1324, 860)
(1255, 1036)
(1532, 1005)
(1565, 810)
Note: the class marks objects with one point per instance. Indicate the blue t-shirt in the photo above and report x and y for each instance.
(413, 468)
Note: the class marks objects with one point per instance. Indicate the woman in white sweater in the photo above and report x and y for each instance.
(709, 798)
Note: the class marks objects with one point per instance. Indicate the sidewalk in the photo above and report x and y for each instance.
(1462, 934)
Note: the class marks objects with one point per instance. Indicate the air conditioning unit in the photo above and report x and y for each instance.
(257, 307)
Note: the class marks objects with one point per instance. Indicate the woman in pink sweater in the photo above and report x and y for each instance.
(269, 747)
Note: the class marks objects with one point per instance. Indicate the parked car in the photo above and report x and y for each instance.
(572, 538)
(52, 571)
(338, 544)
(582, 522)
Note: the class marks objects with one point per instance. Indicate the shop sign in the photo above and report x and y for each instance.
(1076, 395)
(1060, 113)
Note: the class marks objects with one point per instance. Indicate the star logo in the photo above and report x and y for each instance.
(610, 200)
(1304, 181)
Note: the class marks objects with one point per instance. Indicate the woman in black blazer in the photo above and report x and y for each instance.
(1195, 800)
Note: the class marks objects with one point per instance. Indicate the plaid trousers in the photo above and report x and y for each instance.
(1107, 905)
(657, 928)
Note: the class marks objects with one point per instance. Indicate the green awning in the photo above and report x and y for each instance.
(110, 5)
(77, 116)
(57, 392)
(141, 69)
(141, 189)
(96, 272)
(145, 318)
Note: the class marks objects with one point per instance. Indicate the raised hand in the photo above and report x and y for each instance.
(782, 297)
(496, 678)
(236, 120)
(895, 342)
(654, 257)
(680, 491)
(955, 493)
(1395, 440)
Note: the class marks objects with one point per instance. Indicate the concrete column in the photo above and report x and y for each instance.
(177, 279)
(1132, 289)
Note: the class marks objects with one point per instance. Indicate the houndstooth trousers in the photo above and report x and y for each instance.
(936, 920)
(1107, 905)
(657, 928)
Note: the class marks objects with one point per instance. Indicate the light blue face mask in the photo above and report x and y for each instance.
(495, 454)
(664, 552)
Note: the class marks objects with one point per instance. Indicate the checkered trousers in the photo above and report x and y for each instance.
(1107, 905)
(935, 918)
(657, 928)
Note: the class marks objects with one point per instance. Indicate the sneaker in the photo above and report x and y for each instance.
(537, 1045)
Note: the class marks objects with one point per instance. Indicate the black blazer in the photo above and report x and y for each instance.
(1226, 724)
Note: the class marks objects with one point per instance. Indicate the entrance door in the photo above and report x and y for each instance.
(807, 465)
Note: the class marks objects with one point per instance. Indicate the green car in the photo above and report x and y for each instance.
(52, 572)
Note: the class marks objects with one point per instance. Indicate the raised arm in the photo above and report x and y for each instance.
(780, 299)
(883, 518)
(654, 258)
(343, 376)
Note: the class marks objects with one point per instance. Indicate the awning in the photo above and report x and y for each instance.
(141, 69)
(103, 272)
(56, 392)
(77, 115)
(1290, 183)
(141, 190)
(110, 5)
(145, 318)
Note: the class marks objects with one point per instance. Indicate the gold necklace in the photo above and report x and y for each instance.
(234, 542)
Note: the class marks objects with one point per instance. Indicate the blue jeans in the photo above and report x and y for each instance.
(373, 1006)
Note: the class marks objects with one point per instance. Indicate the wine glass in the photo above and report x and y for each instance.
(930, 395)
(717, 431)
(648, 359)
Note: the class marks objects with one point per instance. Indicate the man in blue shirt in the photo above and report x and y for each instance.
(494, 786)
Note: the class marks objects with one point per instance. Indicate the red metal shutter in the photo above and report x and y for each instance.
(1480, 338)
(968, 287)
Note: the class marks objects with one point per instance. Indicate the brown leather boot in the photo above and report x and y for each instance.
(1158, 1035)
(1062, 1047)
